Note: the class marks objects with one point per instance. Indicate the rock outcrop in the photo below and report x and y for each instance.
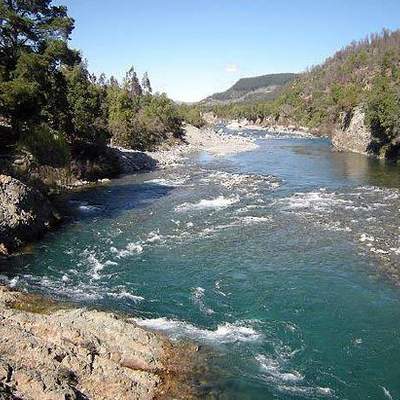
(353, 135)
(25, 214)
(132, 161)
(48, 353)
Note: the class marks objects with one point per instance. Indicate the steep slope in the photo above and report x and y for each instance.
(354, 96)
(265, 87)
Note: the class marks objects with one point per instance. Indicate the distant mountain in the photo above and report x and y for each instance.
(264, 87)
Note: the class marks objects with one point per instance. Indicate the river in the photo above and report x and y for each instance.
(271, 259)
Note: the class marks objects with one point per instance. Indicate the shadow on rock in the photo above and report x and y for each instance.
(131, 161)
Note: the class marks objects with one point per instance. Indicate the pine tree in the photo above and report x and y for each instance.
(33, 46)
(132, 84)
(146, 85)
(113, 82)
(102, 81)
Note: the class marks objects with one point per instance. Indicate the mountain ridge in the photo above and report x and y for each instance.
(262, 87)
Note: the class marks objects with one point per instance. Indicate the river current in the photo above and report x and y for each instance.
(271, 259)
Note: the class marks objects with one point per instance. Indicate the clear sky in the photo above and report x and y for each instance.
(193, 48)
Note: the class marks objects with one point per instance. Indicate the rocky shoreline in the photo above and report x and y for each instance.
(274, 128)
(26, 214)
(51, 352)
(350, 134)
(195, 140)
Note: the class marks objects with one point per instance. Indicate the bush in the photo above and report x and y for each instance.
(47, 146)
(161, 110)
(191, 115)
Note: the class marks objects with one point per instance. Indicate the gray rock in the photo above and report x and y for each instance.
(353, 135)
(25, 214)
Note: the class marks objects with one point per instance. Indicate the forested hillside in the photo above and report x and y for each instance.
(52, 107)
(364, 75)
(265, 87)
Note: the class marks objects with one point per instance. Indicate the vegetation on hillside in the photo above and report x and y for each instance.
(51, 105)
(265, 87)
(365, 73)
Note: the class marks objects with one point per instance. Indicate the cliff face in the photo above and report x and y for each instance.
(353, 135)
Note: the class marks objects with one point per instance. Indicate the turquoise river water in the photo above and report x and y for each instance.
(269, 258)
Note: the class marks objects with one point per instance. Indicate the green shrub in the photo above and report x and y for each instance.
(47, 146)
(191, 115)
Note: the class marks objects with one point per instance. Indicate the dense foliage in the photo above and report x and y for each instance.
(138, 119)
(49, 101)
(33, 47)
(191, 115)
(365, 73)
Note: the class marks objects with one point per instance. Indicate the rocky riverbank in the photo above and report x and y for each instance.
(26, 213)
(275, 128)
(350, 134)
(51, 352)
(195, 140)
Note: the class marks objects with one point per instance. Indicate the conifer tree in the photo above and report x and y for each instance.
(132, 84)
(146, 85)
(33, 46)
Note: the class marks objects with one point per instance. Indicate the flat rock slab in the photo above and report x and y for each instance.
(57, 354)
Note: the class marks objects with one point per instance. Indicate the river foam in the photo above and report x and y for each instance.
(364, 214)
(224, 333)
(198, 295)
(273, 369)
(214, 203)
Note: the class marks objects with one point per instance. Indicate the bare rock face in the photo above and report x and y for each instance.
(353, 135)
(24, 214)
(75, 354)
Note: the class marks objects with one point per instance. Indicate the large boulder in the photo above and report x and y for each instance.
(353, 135)
(25, 214)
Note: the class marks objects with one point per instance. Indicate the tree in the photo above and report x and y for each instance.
(383, 109)
(146, 85)
(33, 46)
(102, 80)
(131, 83)
(113, 82)
(86, 100)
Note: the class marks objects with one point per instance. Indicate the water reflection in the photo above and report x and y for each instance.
(369, 170)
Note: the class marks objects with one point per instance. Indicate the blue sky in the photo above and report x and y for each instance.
(194, 48)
